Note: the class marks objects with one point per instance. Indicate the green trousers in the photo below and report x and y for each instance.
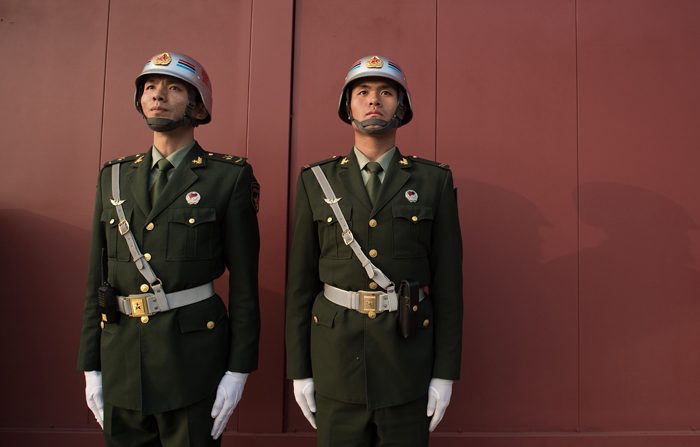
(350, 425)
(184, 427)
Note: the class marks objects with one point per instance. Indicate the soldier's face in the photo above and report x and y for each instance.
(373, 98)
(164, 97)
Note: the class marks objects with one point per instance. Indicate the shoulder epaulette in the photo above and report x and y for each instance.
(233, 159)
(322, 162)
(136, 158)
(425, 161)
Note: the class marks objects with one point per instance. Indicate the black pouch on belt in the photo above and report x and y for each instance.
(107, 302)
(408, 307)
(107, 297)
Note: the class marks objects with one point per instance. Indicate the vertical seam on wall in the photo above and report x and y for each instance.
(578, 215)
(435, 117)
(250, 75)
(104, 88)
(285, 395)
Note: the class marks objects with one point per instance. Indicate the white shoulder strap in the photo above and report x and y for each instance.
(141, 264)
(372, 271)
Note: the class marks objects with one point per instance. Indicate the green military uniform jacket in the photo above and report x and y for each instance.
(178, 357)
(413, 232)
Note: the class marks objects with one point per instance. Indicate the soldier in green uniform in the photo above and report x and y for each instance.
(357, 377)
(165, 362)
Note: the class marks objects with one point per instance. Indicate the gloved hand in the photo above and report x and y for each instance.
(93, 395)
(228, 394)
(304, 394)
(439, 394)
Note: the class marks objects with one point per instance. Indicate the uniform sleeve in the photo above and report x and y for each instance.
(242, 247)
(446, 284)
(89, 351)
(303, 285)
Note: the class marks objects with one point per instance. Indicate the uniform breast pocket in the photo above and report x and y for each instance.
(330, 235)
(192, 233)
(116, 244)
(412, 227)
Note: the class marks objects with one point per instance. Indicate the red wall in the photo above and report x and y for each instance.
(570, 128)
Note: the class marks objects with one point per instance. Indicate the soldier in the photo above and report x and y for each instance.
(374, 295)
(172, 361)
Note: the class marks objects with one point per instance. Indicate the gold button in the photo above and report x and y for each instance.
(373, 285)
(373, 253)
(102, 324)
(426, 323)
(111, 221)
(191, 220)
(211, 325)
(150, 226)
(372, 223)
(144, 288)
(415, 308)
(315, 319)
(329, 220)
(372, 314)
(147, 256)
(414, 218)
(144, 319)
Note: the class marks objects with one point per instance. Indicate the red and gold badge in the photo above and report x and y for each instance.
(162, 59)
(374, 62)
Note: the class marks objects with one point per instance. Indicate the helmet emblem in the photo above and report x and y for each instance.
(162, 59)
(374, 62)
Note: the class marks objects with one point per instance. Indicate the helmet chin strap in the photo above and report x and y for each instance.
(166, 124)
(382, 126)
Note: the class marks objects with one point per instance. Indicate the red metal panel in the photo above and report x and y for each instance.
(639, 96)
(329, 37)
(268, 149)
(215, 33)
(507, 125)
(53, 62)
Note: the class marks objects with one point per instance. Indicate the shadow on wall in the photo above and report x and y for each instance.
(520, 327)
(618, 319)
(43, 277)
(640, 310)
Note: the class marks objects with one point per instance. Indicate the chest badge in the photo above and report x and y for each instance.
(411, 196)
(192, 198)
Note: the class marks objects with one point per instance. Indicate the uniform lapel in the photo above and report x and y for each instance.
(349, 173)
(183, 177)
(396, 176)
(137, 181)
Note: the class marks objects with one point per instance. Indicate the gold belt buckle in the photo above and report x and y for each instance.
(368, 303)
(138, 304)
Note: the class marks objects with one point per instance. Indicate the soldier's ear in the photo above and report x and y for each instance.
(199, 112)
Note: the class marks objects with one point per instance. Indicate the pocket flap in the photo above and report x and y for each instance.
(324, 213)
(192, 216)
(412, 212)
(205, 315)
(324, 312)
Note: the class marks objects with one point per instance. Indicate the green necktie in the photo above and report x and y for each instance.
(373, 183)
(163, 166)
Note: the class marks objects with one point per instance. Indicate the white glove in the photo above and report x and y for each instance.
(93, 395)
(228, 394)
(304, 395)
(439, 393)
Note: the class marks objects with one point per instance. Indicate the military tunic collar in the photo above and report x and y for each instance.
(175, 158)
(384, 160)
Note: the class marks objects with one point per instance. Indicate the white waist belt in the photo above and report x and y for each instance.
(147, 304)
(364, 301)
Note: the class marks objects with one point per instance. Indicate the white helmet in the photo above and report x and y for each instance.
(182, 67)
(382, 67)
